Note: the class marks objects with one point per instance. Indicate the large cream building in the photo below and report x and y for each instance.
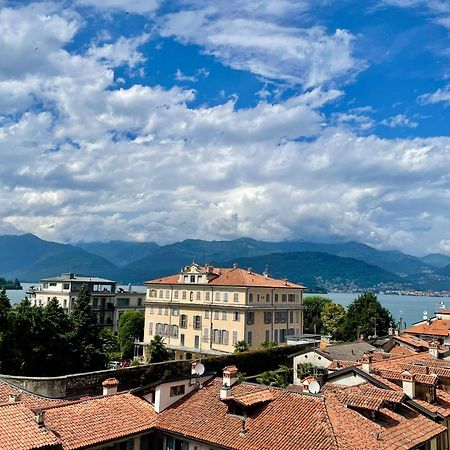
(207, 310)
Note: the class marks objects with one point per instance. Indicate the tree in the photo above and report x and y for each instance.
(314, 306)
(240, 347)
(304, 369)
(6, 336)
(86, 345)
(333, 318)
(157, 351)
(276, 378)
(267, 345)
(110, 344)
(366, 316)
(131, 327)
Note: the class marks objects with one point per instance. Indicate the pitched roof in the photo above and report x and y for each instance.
(234, 277)
(19, 430)
(94, 421)
(437, 327)
(347, 352)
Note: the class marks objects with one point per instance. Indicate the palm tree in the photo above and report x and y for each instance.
(156, 350)
(240, 347)
(267, 345)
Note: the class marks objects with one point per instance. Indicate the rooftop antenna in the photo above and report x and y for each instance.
(425, 315)
(199, 370)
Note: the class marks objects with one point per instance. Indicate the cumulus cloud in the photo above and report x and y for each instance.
(400, 120)
(249, 36)
(135, 6)
(442, 95)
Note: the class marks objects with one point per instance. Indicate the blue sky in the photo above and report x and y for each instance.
(276, 119)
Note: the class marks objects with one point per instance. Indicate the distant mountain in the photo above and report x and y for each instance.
(29, 258)
(119, 253)
(321, 269)
(436, 260)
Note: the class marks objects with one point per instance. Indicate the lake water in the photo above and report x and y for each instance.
(407, 307)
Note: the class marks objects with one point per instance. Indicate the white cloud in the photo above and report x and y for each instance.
(400, 120)
(442, 95)
(135, 6)
(250, 36)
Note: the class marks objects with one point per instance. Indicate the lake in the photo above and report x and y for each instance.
(409, 308)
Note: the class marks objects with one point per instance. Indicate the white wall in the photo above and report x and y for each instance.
(310, 357)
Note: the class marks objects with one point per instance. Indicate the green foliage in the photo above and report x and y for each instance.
(157, 351)
(314, 306)
(134, 363)
(276, 378)
(240, 347)
(9, 284)
(333, 319)
(366, 316)
(304, 369)
(110, 344)
(131, 327)
(267, 345)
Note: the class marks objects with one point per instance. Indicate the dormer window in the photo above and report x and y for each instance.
(192, 278)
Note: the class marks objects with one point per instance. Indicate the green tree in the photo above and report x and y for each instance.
(240, 347)
(131, 327)
(366, 316)
(314, 306)
(86, 346)
(267, 345)
(157, 351)
(6, 335)
(110, 344)
(276, 378)
(304, 369)
(333, 318)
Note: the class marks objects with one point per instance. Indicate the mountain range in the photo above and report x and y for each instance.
(348, 265)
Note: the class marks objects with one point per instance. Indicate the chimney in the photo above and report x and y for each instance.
(229, 378)
(14, 397)
(321, 376)
(39, 417)
(209, 269)
(235, 265)
(249, 270)
(266, 272)
(367, 362)
(409, 384)
(110, 386)
(434, 349)
(305, 384)
(285, 281)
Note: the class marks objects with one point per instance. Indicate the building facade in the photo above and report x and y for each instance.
(207, 310)
(108, 301)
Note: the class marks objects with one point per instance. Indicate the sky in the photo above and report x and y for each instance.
(153, 120)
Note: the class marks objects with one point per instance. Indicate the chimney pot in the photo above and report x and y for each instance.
(235, 265)
(39, 417)
(14, 397)
(229, 375)
(110, 386)
(249, 270)
(409, 384)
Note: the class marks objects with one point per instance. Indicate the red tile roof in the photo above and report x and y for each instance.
(437, 327)
(94, 421)
(234, 277)
(19, 430)
(253, 398)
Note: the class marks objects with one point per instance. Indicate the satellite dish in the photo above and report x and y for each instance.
(314, 387)
(199, 369)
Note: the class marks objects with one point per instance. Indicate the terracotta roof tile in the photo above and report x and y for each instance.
(437, 327)
(253, 398)
(235, 277)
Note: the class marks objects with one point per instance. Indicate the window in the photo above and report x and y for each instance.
(276, 298)
(139, 301)
(250, 296)
(95, 303)
(177, 390)
(207, 296)
(225, 296)
(220, 337)
(159, 309)
(297, 316)
(183, 321)
(192, 279)
(224, 315)
(186, 279)
(182, 338)
(216, 315)
(282, 335)
(267, 298)
(175, 311)
(66, 286)
(280, 316)
(166, 311)
(150, 328)
(152, 309)
(291, 316)
(167, 294)
(217, 297)
(224, 337)
(161, 293)
(235, 297)
(45, 285)
(275, 336)
(250, 318)
(123, 302)
(183, 295)
(153, 293)
(267, 317)
(249, 337)
(292, 297)
(197, 322)
(191, 296)
(257, 297)
(205, 334)
(175, 295)
(267, 336)
(216, 336)
(198, 295)
(175, 331)
(283, 297)
(235, 337)
(65, 303)
(197, 341)
(206, 313)
(53, 284)
(236, 316)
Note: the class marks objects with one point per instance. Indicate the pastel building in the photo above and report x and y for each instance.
(108, 301)
(207, 310)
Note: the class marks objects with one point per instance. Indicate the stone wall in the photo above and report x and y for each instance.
(75, 385)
